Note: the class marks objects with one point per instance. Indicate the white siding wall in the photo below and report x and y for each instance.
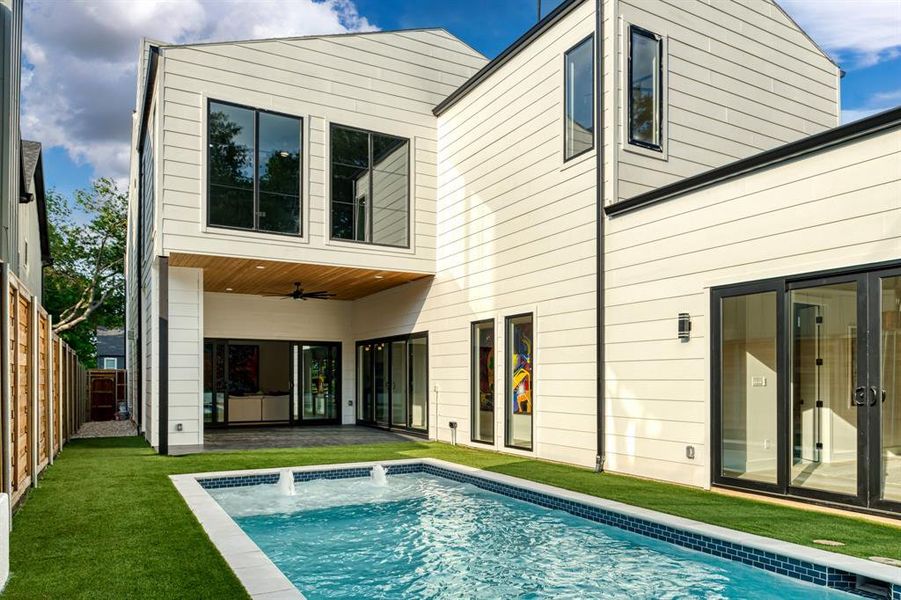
(239, 316)
(515, 234)
(185, 356)
(30, 267)
(740, 78)
(385, 82)
(834, 209)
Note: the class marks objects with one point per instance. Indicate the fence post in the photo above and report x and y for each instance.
(51, 409)
(5, 411)
(34, 360)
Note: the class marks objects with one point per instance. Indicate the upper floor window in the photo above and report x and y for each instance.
(370, 187)
(579, 97)
(645, 89)
(254, 169)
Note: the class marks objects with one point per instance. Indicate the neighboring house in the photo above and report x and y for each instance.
(34, 240)
(496, 279)
(110, 348)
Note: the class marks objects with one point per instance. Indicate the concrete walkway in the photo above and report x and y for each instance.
(253, 438)
(102, 429)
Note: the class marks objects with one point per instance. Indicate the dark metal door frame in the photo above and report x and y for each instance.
(869, 409)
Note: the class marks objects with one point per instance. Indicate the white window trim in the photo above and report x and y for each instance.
(625, 49)
(366, 247)
(280, 239)
(585, 154)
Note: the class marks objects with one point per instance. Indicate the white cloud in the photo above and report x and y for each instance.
(78, 91)
(876, 103)
(858, 33)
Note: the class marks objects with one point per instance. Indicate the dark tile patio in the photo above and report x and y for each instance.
(253, 438)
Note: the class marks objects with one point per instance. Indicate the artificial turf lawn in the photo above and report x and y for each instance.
(106, 521)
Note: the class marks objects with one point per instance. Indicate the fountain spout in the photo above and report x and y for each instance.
(286, 483)
(378, 476)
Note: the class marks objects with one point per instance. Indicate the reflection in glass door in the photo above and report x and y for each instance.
(399, 383)
(319, 382)
(381, 379)
(886, 399)
(364, 383)
(419, 382)
(824, 381)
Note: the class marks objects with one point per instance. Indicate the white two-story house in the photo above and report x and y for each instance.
(388, 229)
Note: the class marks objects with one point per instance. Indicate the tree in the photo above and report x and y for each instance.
(85, 286)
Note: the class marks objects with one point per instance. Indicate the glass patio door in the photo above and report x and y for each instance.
(828, 380)
(392, 382)
(807, 387)
(884, 394)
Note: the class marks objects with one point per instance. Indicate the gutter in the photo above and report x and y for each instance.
(808, 145)
(601, 457)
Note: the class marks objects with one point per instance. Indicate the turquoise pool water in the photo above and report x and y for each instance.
(423, 536)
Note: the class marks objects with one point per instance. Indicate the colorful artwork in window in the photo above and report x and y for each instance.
(521, 361)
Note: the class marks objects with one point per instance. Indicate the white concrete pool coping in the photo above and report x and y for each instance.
(264, 581)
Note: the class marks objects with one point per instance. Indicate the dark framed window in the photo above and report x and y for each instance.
(578, 130)
(370, 187)
(254, 169)
(520, 396)
(482, 369)
(645, 89)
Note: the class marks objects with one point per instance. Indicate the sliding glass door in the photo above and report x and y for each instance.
(318, 388)
(806, 387)
(392, 382)
(268, 382)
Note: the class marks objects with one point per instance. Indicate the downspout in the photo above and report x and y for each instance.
(599, 233)
(163, 374)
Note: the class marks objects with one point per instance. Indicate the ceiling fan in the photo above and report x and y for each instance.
(299, 294)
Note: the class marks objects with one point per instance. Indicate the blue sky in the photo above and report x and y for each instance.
(79, 81)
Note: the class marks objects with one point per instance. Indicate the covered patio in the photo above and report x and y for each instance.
(257, 438)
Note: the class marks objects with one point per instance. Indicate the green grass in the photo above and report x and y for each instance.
(106, 521)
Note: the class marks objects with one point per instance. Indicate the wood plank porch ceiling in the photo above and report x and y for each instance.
(243, 276)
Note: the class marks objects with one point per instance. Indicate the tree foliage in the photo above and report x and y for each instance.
(85, 286)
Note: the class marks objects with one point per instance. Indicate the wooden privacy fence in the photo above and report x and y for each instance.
(43, 392)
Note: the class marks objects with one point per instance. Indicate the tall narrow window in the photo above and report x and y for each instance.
(579, 97)
(483, 381)
(520, 383)
(254, 169)
(370, 187)
(645, 89)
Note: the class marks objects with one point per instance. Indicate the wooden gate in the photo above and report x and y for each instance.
(106, 388)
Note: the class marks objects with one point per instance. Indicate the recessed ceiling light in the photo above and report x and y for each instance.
(260, 267)
(229, 290)
(379, 276)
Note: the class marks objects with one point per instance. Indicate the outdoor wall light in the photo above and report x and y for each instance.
(178, 427)
(684, 327)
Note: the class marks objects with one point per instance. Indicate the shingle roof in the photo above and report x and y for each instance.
(110, 342)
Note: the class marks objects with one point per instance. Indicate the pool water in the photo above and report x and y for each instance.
(423, 536)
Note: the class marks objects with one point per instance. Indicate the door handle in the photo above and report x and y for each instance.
(860, 396)
(875, 394)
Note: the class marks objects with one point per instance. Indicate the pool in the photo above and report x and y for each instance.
(433, 530)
